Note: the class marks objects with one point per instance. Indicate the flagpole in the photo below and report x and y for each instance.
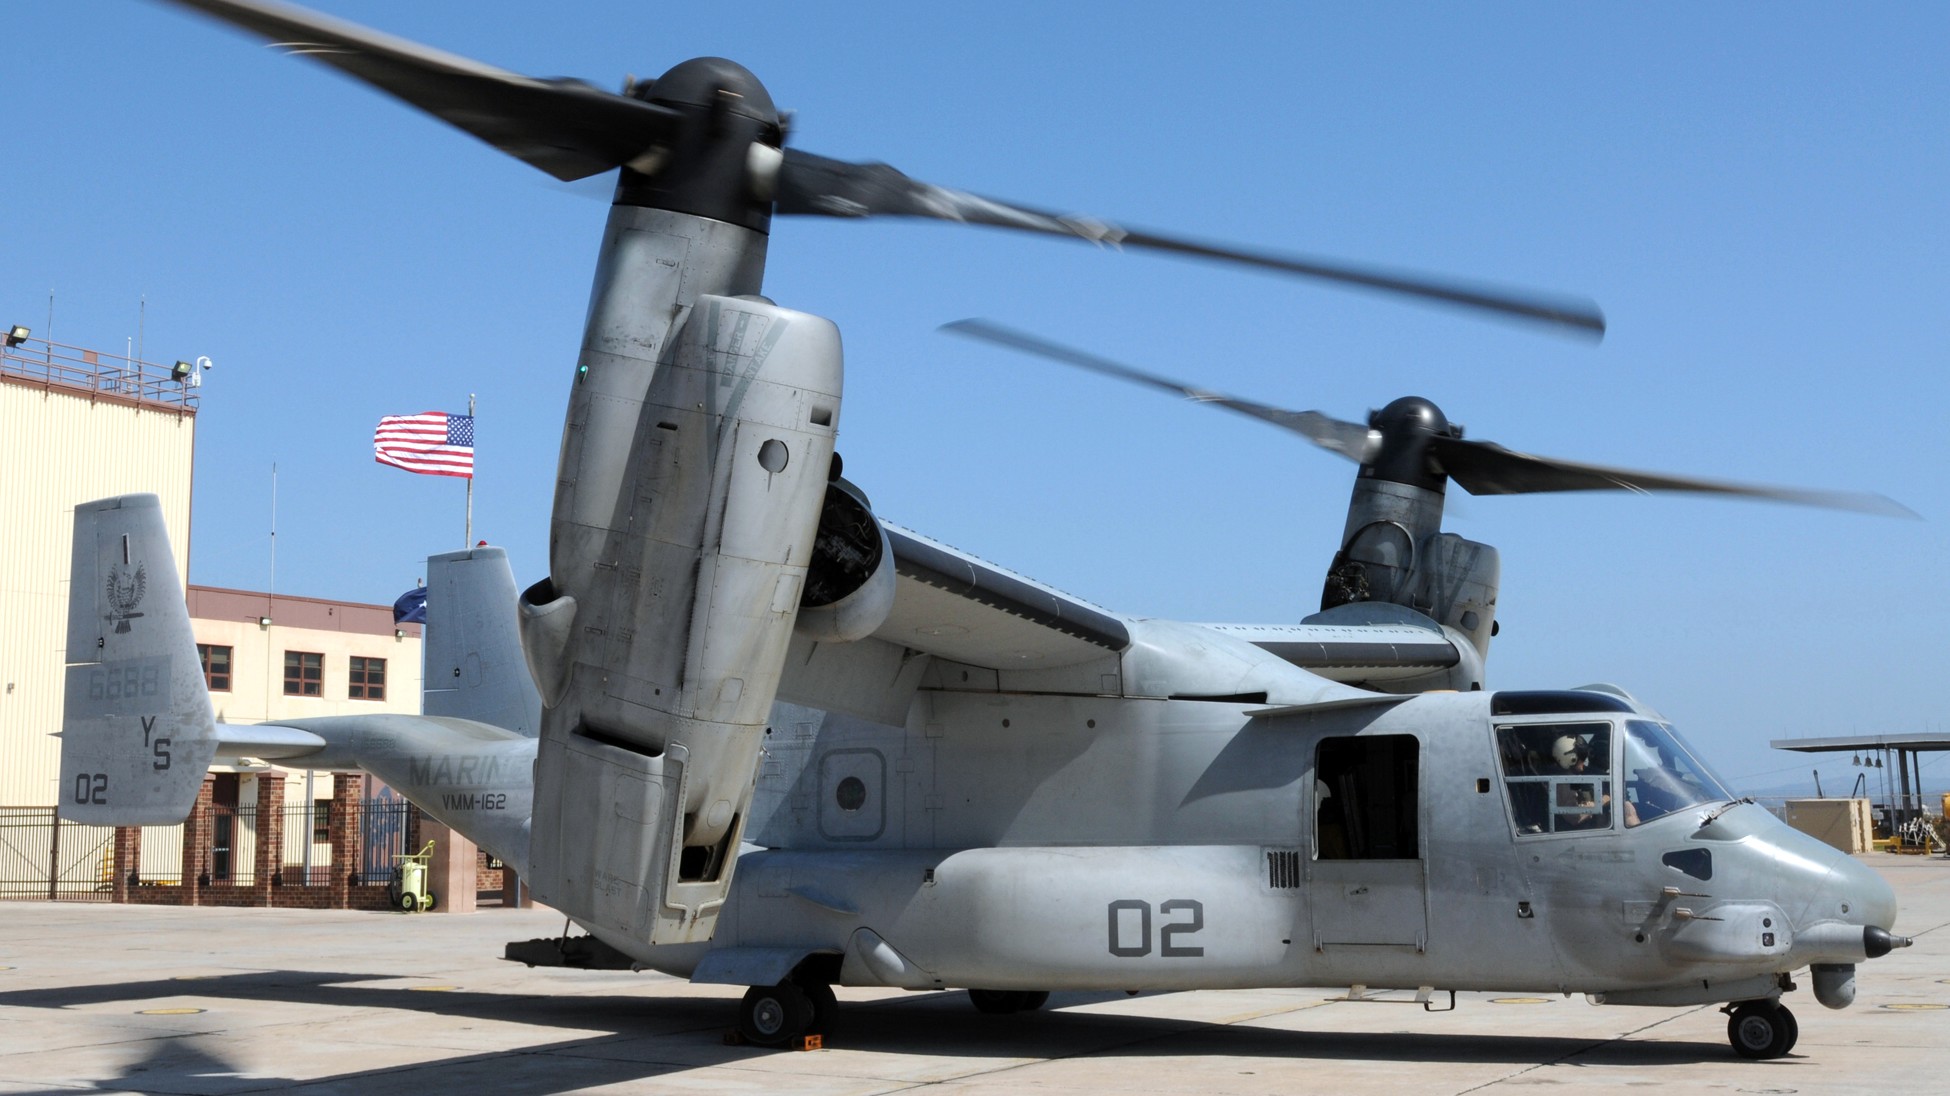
(469, 542)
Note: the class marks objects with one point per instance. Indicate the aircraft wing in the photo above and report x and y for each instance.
(964, 608)
(961, 607)
(1354, 652)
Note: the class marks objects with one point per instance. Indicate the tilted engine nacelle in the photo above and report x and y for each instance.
(850, 583)
(676, 578)
(1393, 550)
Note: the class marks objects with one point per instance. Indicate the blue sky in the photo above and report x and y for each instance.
(1756, 195)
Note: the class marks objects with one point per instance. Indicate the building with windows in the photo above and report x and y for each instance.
(278, 656)
(77, 425)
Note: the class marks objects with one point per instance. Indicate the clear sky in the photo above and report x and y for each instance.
(1757, 194)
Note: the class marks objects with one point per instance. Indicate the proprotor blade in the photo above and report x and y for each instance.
(1485, 468)
(567, 128)
(1348, 439)
(816, 185)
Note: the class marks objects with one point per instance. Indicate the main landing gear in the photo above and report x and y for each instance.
(775, 1016)
(1002, 1001)
(1761, 1029)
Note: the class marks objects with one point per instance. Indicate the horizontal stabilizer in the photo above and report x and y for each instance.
(347, 742)
(264, 742)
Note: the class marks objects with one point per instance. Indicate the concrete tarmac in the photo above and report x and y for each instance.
(101, 998)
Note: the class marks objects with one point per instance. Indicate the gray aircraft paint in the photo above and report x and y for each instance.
(1004, 766)
(134, 740)
(475, 668)
(1035, 841)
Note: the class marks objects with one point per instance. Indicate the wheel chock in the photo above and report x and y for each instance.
(736, 1038)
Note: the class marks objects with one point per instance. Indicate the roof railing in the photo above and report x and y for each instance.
(53, 364)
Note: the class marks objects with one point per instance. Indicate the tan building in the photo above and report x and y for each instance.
(276, 656)
(75, 425)
(78, 425)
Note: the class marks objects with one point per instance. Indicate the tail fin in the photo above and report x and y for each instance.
(137, 734)
(475, 668)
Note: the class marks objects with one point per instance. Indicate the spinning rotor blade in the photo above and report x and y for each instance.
(1486, 468)
(1479, 467)
(835, 188)
(567, 128)
(1350, 440)
(572, 129)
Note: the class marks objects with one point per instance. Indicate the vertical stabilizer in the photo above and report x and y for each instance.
(137, 734)
(475, 668)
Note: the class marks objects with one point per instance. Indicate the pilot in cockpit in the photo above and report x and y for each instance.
(1572, 753)
(1573, 756)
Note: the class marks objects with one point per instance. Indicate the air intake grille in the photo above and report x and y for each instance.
(1283, 869)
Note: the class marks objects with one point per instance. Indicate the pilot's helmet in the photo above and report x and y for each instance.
(1569, 750)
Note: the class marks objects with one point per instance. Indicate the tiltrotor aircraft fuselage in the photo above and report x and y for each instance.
(772, 740)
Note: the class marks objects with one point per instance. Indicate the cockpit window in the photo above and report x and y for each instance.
(1662, 775)
(1558, 775)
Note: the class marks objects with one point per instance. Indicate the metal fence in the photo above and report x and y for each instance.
(45, 858)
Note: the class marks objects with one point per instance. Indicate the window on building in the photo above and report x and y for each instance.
(368, 679)
(216, 666)
(304, 673)
(321, 821)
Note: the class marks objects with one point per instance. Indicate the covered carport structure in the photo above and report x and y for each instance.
(1905, 796)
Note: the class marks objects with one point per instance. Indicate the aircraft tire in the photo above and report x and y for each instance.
(825, 1007)
(772, 1016)
(993, 1002)
(1761, 1029)
(1033, 1000)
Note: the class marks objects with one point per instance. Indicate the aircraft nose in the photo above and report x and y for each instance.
(1866, 898)
(1849, 917)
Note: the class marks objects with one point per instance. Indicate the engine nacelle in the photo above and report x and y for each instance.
(1394, 550)
(660, 636)
(850, 584)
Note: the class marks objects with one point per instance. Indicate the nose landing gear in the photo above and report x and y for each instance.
(1761, 1029)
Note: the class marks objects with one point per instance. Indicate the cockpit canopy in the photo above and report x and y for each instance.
(1585, 772)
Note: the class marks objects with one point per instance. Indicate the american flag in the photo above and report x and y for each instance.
(432, 443)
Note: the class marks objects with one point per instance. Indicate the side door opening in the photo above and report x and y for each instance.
(1369, 872)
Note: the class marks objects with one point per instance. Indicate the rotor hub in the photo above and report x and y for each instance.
(712, 83)
(711, 168)
(1408, 427)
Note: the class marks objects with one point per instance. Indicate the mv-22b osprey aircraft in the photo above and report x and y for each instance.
(765, 738)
